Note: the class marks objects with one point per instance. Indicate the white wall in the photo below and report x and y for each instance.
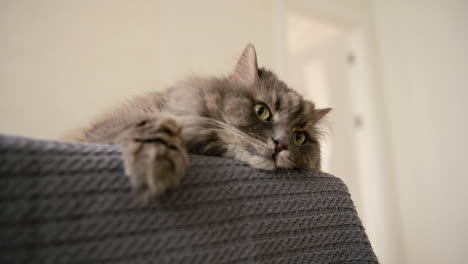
(61, 62)
(327, 32)
(423, 48)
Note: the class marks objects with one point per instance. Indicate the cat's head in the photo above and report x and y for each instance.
(264, 123)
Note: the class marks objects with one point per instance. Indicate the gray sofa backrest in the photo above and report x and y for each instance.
(71, 203)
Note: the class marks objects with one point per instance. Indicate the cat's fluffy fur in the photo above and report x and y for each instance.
(211, 116)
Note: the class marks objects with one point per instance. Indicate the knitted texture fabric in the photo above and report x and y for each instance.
(72, 203)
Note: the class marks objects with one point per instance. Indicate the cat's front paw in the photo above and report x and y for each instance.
(154, 155)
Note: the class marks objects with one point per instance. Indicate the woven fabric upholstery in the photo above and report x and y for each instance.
(71, 203)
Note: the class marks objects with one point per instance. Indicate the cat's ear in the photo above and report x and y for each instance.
(315, 114)
(320, 113)
(246, 71)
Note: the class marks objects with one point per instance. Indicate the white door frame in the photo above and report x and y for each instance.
(377, 201)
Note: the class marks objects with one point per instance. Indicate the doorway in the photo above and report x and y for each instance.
(318, 63)
(328, 57)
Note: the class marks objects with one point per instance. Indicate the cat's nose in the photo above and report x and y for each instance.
(279, 145)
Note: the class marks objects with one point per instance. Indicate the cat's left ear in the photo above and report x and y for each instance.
(320, 113)
(246, 71)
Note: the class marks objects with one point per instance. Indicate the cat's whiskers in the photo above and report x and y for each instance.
(299, 167)
(290, 162)
(253, 140)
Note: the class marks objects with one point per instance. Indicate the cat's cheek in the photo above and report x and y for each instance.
(262, 164)
(237, 115)
(255, 161)
(284, 160)
(306, 157)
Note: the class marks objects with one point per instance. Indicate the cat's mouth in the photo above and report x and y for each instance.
(274, 157)
(280, 159)
(266, 159)
(258, 155)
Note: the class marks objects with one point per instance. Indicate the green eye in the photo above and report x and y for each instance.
(299, 137)
(262, 112)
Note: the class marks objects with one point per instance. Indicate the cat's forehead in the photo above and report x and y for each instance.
(287, 106)
(289, 109)
(275, 92)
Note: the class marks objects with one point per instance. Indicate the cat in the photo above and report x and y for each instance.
(250, 116)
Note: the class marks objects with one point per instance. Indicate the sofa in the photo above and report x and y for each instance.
(63, 202)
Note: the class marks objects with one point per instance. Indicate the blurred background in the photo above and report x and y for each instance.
(395, 73)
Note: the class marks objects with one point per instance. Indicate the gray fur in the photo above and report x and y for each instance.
(211, 116)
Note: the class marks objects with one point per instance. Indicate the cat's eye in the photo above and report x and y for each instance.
(262, 112)
(299, 137)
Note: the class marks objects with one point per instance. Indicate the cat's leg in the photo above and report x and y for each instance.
(154, 153)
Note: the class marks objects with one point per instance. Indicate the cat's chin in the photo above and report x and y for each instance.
(266, 164)
(259, 160)
(253, 159)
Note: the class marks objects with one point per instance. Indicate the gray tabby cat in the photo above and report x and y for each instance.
(250, 116)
